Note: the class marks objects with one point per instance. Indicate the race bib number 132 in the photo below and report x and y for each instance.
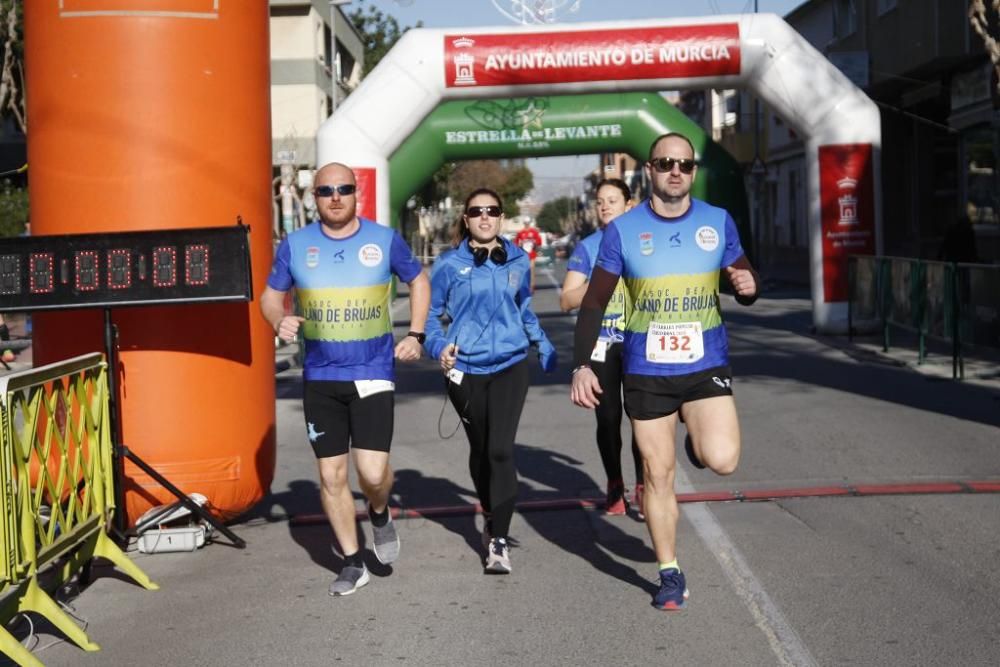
(674, 343)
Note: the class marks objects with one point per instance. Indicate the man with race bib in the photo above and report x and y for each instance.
(669, 250)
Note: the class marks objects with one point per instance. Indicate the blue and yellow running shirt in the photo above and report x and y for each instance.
(582, 261)
(670, 267)
(343, 289)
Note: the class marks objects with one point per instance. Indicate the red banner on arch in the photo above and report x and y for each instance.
(367, 194)
(847, 211)
(592, 55)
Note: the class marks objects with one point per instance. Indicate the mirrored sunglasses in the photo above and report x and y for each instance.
(665, 164)
(328, 190)
(476, 211)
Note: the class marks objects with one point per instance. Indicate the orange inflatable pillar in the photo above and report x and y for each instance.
(154, 114)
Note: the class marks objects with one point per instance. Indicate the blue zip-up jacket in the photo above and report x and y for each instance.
(490, 311)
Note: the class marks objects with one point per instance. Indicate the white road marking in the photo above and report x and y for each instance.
(785, 643)
(552, 279)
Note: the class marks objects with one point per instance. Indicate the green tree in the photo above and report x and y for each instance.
(379, 31)
(556, 213)
(510, 182)
(984, 15)
(518, 183)
(13, 209)
(11, 65)
(13, 198)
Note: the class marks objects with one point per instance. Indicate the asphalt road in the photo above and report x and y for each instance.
(884, 579)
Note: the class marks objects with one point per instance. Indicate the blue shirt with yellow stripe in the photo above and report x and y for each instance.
(344, 287)
(670, 267)
(582, 261)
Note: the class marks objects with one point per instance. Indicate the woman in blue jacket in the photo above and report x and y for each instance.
(483, 287)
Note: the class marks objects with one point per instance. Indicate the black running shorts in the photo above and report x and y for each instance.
(338, 419)
(655, 396)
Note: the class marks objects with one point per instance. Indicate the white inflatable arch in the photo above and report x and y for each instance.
(839, 124)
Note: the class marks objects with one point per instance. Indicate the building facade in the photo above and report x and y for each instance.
(927, 69)
(316, 60)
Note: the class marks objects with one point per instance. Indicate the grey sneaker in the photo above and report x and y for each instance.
(349, 580)
(385, 540)
(498, 557)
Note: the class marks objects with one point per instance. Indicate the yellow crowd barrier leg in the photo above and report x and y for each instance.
(37, 600)
(105, 548)
(15, 650)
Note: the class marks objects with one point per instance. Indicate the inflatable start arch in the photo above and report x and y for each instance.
(759, 52)
(564, 125)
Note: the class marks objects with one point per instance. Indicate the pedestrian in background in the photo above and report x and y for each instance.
(613, 199)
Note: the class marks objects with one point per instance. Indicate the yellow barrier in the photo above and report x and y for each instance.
(56, 490)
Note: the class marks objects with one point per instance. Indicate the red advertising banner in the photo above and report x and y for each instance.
(847, 211)
(592, 55)
(366, 193)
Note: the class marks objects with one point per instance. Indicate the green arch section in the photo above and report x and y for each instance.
(561, 125)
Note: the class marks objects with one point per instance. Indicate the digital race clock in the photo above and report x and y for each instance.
(125, 268)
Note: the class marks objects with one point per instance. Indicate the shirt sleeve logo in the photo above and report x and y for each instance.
(370, 255)
(707, 238)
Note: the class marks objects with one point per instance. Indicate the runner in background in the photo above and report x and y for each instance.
(530, 240)
(613, 199)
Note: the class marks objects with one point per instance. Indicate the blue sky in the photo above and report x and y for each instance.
(456, 13)
(562, 175)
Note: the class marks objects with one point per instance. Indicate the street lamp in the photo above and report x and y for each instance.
(335, 6)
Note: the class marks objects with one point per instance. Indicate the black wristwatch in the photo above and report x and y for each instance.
(419, 335)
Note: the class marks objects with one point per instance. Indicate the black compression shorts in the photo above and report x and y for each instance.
(337, 418)
(655, 396)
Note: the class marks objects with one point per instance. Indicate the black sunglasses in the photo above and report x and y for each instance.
(328, 190)
(665, 164)
(476, 211)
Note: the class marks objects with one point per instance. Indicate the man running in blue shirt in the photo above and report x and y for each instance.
(669, 251)
(341, 268)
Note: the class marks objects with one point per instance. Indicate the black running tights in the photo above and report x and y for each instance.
(609, 416)
(490, 407)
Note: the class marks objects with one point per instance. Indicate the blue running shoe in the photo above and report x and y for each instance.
(673, 591)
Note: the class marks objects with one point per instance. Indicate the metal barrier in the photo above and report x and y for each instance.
(947, 301)
(56, 491)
